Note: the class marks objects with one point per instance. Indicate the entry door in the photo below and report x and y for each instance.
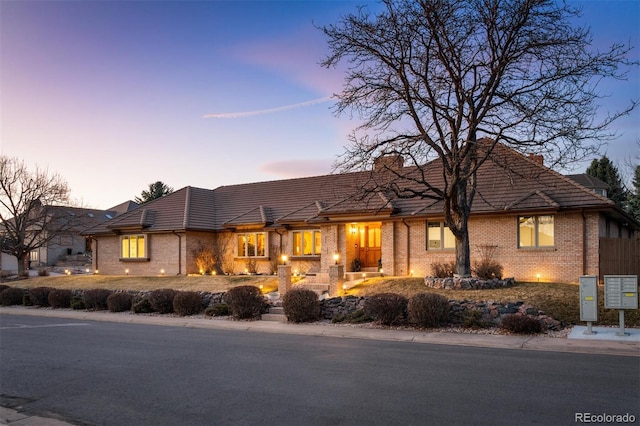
(370, 246)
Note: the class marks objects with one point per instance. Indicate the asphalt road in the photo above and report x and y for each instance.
(103, 373)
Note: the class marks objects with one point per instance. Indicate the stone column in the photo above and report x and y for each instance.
(284, 279)
(336, 279)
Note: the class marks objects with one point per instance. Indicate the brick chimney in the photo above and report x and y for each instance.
(389, 161)
(537, 158)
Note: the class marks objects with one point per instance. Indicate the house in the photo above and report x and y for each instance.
(539, 224)
(68, 241)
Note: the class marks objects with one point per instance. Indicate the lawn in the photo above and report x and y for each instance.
(561, 301)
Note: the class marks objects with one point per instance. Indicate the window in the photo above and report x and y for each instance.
(306, 243)
(439, 236)
(133, 247)
(252, 244)
(535, 231)
(34, 256)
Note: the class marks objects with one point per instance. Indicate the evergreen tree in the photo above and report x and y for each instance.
(633, 205)
(156, 190)
(607, 172)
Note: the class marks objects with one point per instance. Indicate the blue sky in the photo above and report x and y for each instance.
(114, 95)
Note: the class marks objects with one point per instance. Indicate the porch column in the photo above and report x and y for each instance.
(336, 279)
(284, 279)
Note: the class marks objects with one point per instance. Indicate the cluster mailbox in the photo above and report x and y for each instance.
(589, 298)
(621, 291)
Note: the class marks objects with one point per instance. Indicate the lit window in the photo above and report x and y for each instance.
(536, 231)
(252, 244)
(34, 256)
(133, 247)
(306, 243)
(439, 236)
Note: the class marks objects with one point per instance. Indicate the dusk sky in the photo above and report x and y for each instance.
(114, 95)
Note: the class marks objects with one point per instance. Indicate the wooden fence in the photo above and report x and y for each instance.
(619, 256)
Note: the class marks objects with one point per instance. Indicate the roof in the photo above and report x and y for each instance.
(507, 182)
(589, 181)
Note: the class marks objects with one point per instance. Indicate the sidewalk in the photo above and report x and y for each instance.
(604, 342)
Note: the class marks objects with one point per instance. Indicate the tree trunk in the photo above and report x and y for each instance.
(463, 255)
(21, 258)
(457, 211)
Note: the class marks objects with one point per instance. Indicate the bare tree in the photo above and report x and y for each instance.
(27, 208)
(432, 78)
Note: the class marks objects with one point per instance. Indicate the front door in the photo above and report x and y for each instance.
(370, 246)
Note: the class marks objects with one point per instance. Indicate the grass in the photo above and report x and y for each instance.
(561, 301)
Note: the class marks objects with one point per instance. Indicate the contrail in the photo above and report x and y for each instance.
(267, 111)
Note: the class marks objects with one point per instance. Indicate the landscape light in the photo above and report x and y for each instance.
(284, 259)
(336, 257)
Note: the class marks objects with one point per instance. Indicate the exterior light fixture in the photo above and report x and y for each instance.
(411, 273)
(161, 271)
(354, 229)
(86, 271)
(201, 272)
(381, 271)
(95, 272)
(364, 275)
(284, 259)
(538, 277)
(336, 257)
(344, 288)
(126, 271)
(260, 288)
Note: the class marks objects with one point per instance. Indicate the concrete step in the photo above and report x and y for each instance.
(276, 313)
(353, 276)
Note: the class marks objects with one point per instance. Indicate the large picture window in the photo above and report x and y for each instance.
(306, 243)
(133, 247)
(536, 231)
(439, 236)
(252, 244)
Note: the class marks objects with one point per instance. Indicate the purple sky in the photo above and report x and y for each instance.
(114, 95)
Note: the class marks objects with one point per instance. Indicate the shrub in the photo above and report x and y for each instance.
(428, 310)
(76, 303)
(487, 269)
(388, 308)
(142, 306)
(59, 298)
(39, 296)
(187, 303)
(119, 302)
(521, 324)
(11, 296)
(301, 305)
(443, 269)
(473, 319)
(245, 302)
(3, 286)
(96, 299)
(161, 300)
(217, 310)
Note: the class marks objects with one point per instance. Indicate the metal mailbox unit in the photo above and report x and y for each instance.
(621, 292)
(589, 301)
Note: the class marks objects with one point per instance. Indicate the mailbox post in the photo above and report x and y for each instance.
(621, 292)
(589, 301)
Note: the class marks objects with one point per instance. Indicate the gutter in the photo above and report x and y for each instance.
(585, 244)
(179, 252)
(408, 246)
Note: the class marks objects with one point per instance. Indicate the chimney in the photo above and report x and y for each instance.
(388, 161)
(537, 159)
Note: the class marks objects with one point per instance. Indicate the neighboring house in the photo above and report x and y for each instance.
(70, 241)
(540, 225)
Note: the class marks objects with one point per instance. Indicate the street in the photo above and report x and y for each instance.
(102, 373)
